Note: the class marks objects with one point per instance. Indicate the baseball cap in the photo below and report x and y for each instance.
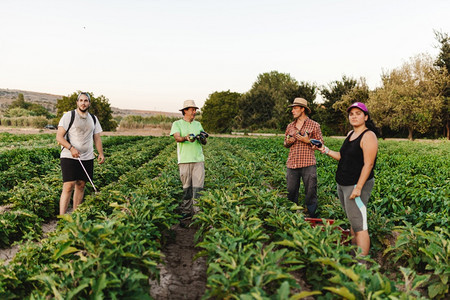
(359, 105)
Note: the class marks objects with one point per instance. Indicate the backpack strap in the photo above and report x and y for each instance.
(72, 118)
(94, 118)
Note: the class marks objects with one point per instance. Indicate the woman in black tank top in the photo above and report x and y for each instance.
(354, 176)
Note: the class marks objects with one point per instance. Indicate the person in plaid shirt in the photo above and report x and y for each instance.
(301, 161)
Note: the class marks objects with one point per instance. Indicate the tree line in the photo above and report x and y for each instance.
(413, 99)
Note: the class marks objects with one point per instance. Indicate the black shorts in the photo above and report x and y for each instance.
(72, 169)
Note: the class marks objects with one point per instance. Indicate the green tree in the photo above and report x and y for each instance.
(256, 109)
(19, 102)
(99, 106)
(39, 110)
(219, 111)
(308, 91)
(411, 97)
(266, 105)
(443, 63)
(33, 109)
(331, 118)
(359, 93)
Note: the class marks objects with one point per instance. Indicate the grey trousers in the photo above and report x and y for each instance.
(354, 213)
(192, 177)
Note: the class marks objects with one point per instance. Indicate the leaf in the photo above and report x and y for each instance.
(286, 243)
(283, 291)
(98, 287)
(64, 249)
(75, 291)
(435, 289)
(47, 279)
(305, 294)
(350, 273)
(342, 291)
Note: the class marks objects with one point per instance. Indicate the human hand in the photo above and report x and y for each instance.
(75, 153)
(191, 137)
(101, 158)
(355, 193)
(292, 132)
(303, 138)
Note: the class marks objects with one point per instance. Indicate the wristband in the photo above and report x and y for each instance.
(327, 150)
(70, 147)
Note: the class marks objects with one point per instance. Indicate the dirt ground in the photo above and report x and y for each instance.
(181, 277)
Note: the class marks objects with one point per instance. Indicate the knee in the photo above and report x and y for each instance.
(80, 184)
(68, 186)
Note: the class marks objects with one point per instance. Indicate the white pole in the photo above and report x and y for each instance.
(79, 159)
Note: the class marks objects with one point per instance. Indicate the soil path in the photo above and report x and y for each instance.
(8, 254)
(181, 277)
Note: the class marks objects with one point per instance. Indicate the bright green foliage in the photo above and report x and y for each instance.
(17, 223)
(220, 111)
(256, 243)
(424, 251)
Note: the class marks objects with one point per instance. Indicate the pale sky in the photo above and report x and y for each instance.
(155, 54)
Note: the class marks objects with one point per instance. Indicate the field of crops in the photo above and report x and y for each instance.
(257, 244)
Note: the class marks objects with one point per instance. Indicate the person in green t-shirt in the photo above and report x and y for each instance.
(190, 137)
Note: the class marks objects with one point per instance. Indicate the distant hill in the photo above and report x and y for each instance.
(49, 102)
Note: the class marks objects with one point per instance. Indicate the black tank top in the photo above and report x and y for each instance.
(352, 161)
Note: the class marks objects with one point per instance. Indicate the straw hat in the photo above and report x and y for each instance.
(301, 102)
(188, 103)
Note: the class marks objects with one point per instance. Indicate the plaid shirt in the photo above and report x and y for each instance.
(300, 154)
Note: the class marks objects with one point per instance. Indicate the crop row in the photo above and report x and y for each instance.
(109, 247)
(37, 199)
(20, 164)
(257, 243)
(243, 224)
(10, 141)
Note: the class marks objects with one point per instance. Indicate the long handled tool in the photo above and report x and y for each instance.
(79, 159)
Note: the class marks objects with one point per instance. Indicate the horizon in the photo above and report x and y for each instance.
(153, 55)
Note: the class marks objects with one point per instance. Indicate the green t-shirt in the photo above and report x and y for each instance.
(188, 152)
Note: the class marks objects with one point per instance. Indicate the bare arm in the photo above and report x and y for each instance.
(369, 145)
(180, 138)
(63, 142)
(333, 154)
(99, 146)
